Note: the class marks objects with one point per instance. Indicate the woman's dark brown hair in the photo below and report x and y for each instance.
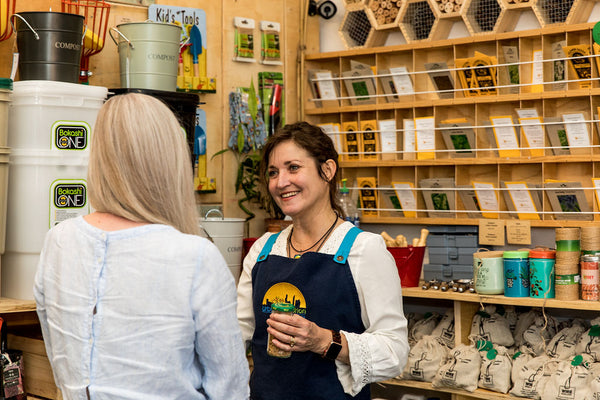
(316, 143)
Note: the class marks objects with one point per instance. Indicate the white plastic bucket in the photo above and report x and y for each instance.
(45, 187)
(50, 115)
(228, 235)
(4, 152)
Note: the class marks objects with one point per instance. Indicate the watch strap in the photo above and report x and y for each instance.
(334, 348)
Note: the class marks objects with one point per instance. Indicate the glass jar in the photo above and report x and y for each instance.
(272, 350)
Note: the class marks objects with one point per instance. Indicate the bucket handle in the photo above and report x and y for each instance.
(213, 210)
(85, 29)
(120, 34)
(37, 37)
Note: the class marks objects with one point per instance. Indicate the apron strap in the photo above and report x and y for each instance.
(267, 247)
(344, 250)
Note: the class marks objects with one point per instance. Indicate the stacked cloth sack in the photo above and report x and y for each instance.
(528, 354)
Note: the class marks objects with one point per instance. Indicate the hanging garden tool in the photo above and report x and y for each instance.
(95, 13)
(196, 40)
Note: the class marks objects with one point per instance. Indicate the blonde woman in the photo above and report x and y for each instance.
(132, 304)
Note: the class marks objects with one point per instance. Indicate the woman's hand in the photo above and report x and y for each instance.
(294, 333)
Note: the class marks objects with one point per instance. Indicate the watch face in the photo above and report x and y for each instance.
(333, 351)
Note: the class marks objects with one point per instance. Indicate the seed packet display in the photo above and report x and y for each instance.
(370, 140)
(465, 76)
(580, 65)
(568, 200)
(333, 131)
(458, 136)
(511, 71)
(484, 73)
(395, 82)
(439, 197)
(388, 136)
(243, 49)
(324, 88)
(350, 141)
(368, 196)
(559, 65)
(270, 51)
(557, 135)
(389, 201)
(469, 199)
(522, 202)
(360, 84)
(387, 85)
(441, 79)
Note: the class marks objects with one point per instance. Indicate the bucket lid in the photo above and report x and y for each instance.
(488, 254)
(6, 83)
(516, 254)
(542, 253)
(37, 88)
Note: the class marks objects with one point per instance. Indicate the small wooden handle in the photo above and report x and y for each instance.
(423, 240)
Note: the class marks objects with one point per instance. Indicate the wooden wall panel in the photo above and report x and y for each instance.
(239, 74)
(230, 74)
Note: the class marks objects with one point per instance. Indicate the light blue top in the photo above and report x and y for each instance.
(141, 313)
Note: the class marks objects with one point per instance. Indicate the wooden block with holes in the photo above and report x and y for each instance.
(357, 31)
(39, 380)
(384, 14)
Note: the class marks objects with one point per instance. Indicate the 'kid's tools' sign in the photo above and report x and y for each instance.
(172, 15)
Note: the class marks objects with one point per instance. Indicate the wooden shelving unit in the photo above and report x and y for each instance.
(484, 165)
(498, 299)
(456, 394)
(10, 306)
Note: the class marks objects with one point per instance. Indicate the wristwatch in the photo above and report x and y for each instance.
(334, 347)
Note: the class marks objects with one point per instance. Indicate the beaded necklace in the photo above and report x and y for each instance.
(321, 240)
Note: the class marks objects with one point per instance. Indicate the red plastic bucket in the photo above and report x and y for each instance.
(246, 244)
(409, 261)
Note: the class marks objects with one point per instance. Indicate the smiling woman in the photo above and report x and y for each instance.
(349, 329)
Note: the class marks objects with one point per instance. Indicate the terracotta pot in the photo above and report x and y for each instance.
(276, 225)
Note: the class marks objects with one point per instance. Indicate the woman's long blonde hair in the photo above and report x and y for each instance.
(140, 165)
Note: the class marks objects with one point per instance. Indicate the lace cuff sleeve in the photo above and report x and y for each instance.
(359, 373)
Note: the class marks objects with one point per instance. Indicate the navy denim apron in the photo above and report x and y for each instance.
(322, 289)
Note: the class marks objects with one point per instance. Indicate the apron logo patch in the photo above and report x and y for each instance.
(284, 292)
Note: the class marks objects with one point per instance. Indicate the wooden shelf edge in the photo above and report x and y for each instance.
(473, 161)
(472, 221)
(436, 102)
(499, 299)
(477, 394)
(15, 306)
(449, 42)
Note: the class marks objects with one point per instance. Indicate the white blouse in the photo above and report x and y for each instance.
(381, 351)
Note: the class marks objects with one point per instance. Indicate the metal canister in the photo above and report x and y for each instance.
(516, 273)
(541, 273)
(590, 277)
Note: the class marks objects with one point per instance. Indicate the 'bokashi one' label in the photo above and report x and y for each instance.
(70, 135)
(68, 199)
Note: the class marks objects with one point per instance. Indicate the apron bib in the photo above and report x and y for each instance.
(321, 288)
